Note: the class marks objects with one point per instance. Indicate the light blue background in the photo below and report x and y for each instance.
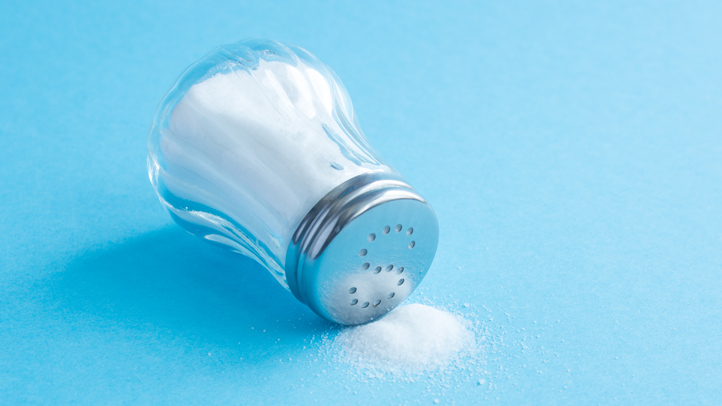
(573, 153)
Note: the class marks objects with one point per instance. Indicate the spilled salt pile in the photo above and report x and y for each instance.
(412, 339)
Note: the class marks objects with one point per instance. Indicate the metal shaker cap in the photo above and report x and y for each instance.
(362, 249)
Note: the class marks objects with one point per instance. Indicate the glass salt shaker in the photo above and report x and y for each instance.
(257, 147)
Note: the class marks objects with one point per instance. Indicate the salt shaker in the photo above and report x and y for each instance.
(257, 147)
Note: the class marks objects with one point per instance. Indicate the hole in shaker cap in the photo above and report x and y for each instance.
(365, 305)
(363, 252)
(372, 237)
(398, 227)
(377, 269)
(386, 229)
(400, 269)
(352, 291)
(353, 302)
(401, 282)
(365, 266)
(410, 231)
(389, 268)
(392, 294)
(411, 244)
(378, 302)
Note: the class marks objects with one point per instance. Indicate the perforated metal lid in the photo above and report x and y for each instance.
(362, 249)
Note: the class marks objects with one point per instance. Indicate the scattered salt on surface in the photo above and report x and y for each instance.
(412, 339)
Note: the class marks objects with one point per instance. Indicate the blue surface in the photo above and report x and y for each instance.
(573, 155)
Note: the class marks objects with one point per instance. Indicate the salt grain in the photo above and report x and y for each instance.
(412, 339)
